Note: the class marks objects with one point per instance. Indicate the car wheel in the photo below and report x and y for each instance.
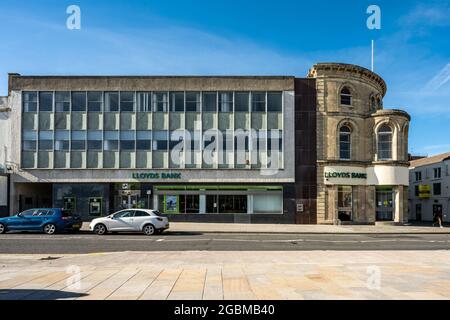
(2, 228)
(149, 230)
(100, 229)
(50, 228)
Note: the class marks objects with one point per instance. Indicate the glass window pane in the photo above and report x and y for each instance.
(160, 135)
(111, 135)
(29, 145)
(193, 101)
(62, 101)
(258, 101)
(160, 101)
(61, 145)
(143, 99)
(143, 145)
(143, 135)
(241, 100)
(46, 101)
(127, 145)
(210, 102)
(94, 145)
(274, 102)
(160, 145)
(177, 101)
(29, 101)
(127, 101)
(45, 144)
(225, 101)
(78, 101)
(45, 135)
(62, 134)
(127, 135)
(111, 101)
(78, 135)
(95, 135)
(95, 101)
(111, 145)
(78, 145)
(29, 135)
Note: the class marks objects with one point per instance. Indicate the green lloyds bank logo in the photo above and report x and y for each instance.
(155, 175)
(345, 175)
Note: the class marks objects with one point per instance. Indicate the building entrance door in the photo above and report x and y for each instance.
(129, 201)
(385, 205)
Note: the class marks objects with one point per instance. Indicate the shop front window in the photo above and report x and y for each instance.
(345, 203)
(385, 204)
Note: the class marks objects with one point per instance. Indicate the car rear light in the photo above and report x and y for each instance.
(160, 219)
(65, 218)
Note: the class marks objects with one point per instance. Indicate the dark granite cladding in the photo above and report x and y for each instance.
(306, 150)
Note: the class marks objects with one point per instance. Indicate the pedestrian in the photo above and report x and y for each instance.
(438, 218)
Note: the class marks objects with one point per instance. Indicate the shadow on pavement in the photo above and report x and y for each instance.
(38, 294)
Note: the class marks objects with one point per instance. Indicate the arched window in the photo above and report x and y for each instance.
(385, 143)
(379, 103)
(345, 143)
(346, 96)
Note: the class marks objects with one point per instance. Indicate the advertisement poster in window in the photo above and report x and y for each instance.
(171, 204)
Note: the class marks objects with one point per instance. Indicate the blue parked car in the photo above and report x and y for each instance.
(47, 220)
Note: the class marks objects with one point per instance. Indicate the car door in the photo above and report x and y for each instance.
(39, 218)
(25, 222)
(122, 221)
(140, 218)
(19, 222)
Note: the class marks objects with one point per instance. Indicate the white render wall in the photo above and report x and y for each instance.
(5, 133)
(428, 179)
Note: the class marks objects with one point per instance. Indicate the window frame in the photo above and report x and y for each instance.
(348, 95)
(349, 142)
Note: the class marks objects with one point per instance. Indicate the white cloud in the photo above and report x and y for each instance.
(439, 80)
(428, 15)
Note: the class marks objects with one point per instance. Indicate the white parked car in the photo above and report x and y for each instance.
(149, 222)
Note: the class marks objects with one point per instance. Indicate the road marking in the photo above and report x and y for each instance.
(159, 240)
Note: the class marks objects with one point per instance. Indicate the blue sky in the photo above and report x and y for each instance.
(283, 37)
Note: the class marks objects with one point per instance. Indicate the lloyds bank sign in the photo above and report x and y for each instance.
(156, 175)
(345, 175)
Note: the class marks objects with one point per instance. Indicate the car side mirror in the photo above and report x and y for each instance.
(20, 215)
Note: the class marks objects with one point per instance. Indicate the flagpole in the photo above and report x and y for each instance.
(373, 49)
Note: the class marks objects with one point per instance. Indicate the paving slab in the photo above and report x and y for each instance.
(336, 275)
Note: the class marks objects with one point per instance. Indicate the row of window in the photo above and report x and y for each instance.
(61, 140)
(130, 101)
(437, 174)
(346, 99)
(384, 145)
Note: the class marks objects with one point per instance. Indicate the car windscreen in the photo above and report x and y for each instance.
(157, 213)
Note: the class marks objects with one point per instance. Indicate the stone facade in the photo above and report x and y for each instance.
(364, 116)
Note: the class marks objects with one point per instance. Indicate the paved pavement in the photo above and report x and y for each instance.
(27, 243)
(295, 228)
(228, 275)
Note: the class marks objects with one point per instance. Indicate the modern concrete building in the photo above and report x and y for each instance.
(429, 193)
(275, 149)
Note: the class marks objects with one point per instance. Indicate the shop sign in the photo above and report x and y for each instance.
(346, 175)
(424, 192)
(156, 175)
